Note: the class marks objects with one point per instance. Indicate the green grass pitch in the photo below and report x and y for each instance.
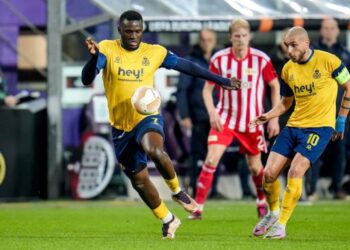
(130, 225)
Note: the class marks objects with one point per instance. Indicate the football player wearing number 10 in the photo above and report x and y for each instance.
(310, 77)
(127, 64)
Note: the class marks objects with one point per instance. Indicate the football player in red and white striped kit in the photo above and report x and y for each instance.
(230, 118)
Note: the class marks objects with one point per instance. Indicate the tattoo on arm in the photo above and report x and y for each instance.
(344, 107)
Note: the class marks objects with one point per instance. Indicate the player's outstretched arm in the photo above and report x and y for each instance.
(343, 113)
(188, 67)
(90, 71)
(284, 104)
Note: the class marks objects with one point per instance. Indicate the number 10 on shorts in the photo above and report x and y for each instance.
(313, 139)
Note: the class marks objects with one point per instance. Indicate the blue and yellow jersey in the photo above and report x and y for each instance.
(314, 86)
(123, 72)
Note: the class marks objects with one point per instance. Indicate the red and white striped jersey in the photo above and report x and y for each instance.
(237, 108)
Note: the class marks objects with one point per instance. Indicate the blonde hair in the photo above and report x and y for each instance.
(238, 23)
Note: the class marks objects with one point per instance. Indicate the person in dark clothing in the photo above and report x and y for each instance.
(193, 114)
(334, 157)
(6, 100)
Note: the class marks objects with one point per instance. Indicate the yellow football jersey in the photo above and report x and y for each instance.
(123, 72)
(314, 85)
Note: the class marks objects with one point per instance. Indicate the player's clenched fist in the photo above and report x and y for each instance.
(91, 45)
(234, 84)
(261, 119)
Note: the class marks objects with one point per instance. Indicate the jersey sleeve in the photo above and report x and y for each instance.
(269, 72)
(214, 68)
(102, 55)
(341, 74)
(170, 60)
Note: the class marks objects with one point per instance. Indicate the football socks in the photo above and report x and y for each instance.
(258, 179)
(290, 198)
(205, 181)
(174, 185)
(161, 212)
(272, 194)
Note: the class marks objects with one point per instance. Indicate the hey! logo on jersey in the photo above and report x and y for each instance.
(308, 89)
(137, 73)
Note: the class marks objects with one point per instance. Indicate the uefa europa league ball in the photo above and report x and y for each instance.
(146, 100)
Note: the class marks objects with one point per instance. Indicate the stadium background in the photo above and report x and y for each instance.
(42, 50)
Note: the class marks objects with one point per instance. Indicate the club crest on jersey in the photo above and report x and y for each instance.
(291, 78)
(117, 59)
(145, 61)
(249, 71)
(317, 74)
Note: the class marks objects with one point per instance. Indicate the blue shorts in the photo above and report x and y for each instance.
(127, 145)
(310, 142)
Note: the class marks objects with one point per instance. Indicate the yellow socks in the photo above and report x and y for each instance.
(290, 198)
(174, 185)
(272, 194)
(162, 213)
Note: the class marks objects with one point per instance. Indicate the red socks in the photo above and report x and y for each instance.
(204, 183)
(258, 179)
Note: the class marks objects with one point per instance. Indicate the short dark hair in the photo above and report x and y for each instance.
(130, 15)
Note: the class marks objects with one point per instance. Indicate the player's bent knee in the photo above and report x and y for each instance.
(211, 161)
(296, 172)
(140, 180)
(254, 170)
(140, 185)
(269, 175)
(155, 153)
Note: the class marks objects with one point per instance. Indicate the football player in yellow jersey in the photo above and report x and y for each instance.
(310, 78)
(128, 63)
